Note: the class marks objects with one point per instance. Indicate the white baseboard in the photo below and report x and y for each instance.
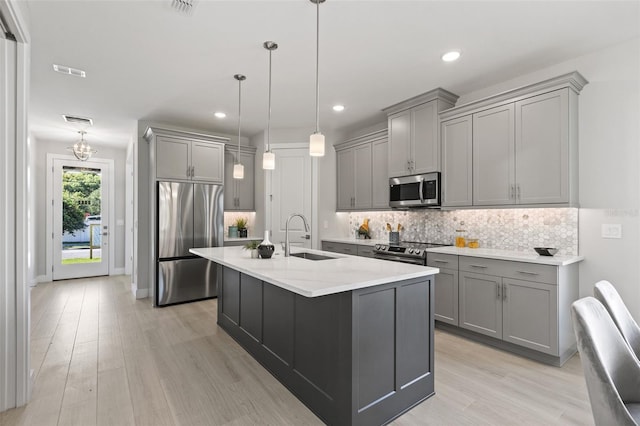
(43, 279)
(118, 271)
(139, 293)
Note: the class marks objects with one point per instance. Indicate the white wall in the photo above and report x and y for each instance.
(39, 160)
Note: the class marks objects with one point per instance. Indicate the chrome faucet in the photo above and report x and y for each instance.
(287, 249)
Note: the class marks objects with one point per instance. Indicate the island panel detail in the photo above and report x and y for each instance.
(359, 357)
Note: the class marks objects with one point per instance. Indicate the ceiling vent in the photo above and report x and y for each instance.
(184, 6)
(78, 120)
(62, 69)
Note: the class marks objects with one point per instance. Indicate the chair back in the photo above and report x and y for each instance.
(607, 294)
(611, 370)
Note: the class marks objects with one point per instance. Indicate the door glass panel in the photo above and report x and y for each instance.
(81, 215)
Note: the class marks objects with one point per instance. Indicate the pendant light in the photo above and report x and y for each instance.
(81, 149)
(238, 168)
(316, 140)
(269, 158)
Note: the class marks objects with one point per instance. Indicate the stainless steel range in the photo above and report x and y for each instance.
(405, 251)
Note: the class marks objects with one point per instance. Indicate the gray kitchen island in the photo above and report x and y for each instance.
(351, 337)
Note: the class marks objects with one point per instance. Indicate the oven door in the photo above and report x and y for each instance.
(400, 258)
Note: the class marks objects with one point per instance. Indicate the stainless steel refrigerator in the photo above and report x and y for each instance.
(188, 215)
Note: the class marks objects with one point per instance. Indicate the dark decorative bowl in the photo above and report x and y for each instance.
(266, 250)
(546, 251)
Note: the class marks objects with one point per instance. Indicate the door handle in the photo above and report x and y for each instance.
(105, 233)
(498, 291)
(306, 237)
(518, 186)
(478, 266)
(504, 292)
(420, 190)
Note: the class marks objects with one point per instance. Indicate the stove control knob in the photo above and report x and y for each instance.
(417, 251)
(377, 246)
(410, 250)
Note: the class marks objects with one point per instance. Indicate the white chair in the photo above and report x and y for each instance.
(606, 293)
(611, 370)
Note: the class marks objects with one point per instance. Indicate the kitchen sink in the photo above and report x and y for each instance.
(312, 256)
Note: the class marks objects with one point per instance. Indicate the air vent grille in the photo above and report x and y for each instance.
(78, 120)
(63, 69)
(184, 6)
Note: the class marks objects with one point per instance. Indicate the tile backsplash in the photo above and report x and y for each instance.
(507, 229)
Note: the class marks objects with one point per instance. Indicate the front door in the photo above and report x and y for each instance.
(80, 220)
(291, 193)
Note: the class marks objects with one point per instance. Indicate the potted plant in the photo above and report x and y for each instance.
(253, 247)
(241, 223)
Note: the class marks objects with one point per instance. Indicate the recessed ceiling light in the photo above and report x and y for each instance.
(338, 108)
(63, 69)
(220, 114)
(451, 56)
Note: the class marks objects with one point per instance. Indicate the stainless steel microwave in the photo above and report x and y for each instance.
(415, 191)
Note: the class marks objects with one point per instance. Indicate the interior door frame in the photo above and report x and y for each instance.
(315, 241)
(109, 163)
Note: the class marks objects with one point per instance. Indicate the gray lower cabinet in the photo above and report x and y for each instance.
(343, 248)
(445, 287)
(365, 251)
(360, 357)
(525, 305)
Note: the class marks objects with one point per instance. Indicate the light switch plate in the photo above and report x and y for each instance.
(611, 230)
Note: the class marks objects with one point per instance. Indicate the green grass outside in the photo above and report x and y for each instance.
(80, 260)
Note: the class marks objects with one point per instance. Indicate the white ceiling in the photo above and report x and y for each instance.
(145, 60)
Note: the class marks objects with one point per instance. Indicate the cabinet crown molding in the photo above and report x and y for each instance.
(431, 95)
(369, 137)
(573, 80)
(243, 148)
(151, 131)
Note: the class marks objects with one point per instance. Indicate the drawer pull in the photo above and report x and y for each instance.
(440, 261)
(528, 273)
(478, 266)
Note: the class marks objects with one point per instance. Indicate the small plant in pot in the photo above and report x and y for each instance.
(253, 247)
(241, 223)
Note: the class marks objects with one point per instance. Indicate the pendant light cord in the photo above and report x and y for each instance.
(317, 66)
(239, 113)
(269, 113)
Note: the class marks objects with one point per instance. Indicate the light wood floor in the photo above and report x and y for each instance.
(101, 357)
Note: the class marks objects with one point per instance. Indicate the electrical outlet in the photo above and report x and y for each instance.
(611, 230)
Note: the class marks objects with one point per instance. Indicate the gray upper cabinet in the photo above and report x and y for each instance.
(542, 142)
(179, 155)
(524, 144)
(346, 178)
(380, 174)
(361, 173)
(457, 190)
(239, 193)
(414, 142)
(363, 168)
(494, 171)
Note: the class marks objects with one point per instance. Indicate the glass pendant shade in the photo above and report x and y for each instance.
(238, 171)
(81, 149)
(268, 161)
(316, 145)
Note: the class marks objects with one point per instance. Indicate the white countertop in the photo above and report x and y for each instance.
(517, 256)
(312, 278)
